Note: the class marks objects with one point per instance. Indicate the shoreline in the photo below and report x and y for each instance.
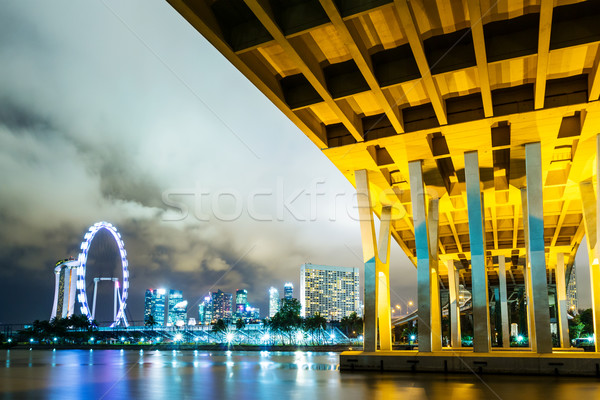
(185, 347)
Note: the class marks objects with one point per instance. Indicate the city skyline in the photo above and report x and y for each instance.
(165, 137)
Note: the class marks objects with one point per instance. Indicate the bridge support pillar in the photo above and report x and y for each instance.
(481, 316)
(561, 294)
(376, 259)
(590, 205)
(503, 301)
(426, 243)
(454, 304)
(536, 249)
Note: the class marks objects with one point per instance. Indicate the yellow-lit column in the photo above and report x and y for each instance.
(384, 316)
(436, 314)
(424, 278)
(503, 301)
(590, 203)
(561, 295)
(527, 274)
(480, 301)
(367, 233)
(454, 305)
(376, 258)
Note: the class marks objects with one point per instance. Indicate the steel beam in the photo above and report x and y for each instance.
(536, 248)
(481, 317)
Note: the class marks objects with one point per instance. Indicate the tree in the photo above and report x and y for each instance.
(219, 326)
(287, 320)
(240, 324)
(315, 326)
(352, 324)
(150, 321)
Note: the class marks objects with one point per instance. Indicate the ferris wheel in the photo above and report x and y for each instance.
(121, 289)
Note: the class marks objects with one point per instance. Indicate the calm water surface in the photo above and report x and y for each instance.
(117, 374)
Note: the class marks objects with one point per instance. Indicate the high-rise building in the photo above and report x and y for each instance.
(241, 303)
(177, 308)
(273, 301)
(155, 305)
(221, 305)
(572, 291)
(205, 311)
(330, 291)
(288, 291)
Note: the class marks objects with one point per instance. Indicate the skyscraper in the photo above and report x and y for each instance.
(273, 301)
(155, 305)
(572, 291)
(221, 305)
(241, 302)
(331, 291)
(288, 291)
(177, 308)
(205, 311)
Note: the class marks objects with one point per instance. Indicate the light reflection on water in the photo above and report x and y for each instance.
(80, 374)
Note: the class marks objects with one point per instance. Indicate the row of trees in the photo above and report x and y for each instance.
(288, 324)
(72, 327)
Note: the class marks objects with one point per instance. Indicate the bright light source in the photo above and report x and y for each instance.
(265, 337)
(412, 337)
(520, 338)
(122, 339)
(161, 291)
(299, 336)
(9, 340)
(229, 336)
(55, 339)
(91, 339)
(178, 337)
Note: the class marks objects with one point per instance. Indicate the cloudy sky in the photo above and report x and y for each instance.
(120, 111)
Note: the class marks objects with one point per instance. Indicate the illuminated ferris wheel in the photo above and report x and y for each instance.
(121, 289)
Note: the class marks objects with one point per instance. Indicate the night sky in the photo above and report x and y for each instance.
(122, 112)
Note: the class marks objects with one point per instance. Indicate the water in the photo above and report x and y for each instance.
(117, 374)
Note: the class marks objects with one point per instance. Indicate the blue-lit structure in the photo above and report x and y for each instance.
(121, 289)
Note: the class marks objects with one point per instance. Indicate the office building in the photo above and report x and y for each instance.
(273, 301)
(572, 291)
(330, 291)
(155, 305)
(177, 308)
(221, 306)
(288, 291)
(241, 303)
(205, 311)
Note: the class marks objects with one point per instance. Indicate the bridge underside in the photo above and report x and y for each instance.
(468, 127)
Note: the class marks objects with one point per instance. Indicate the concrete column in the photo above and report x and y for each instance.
(537, 254)
(503, 302)
(454, 305)
(590, 205)
(367, 233)
(481, 317)
(595, 265)
(527, 274)
(561, 294)
(433, 222)
(383, 281)
(417, 193)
